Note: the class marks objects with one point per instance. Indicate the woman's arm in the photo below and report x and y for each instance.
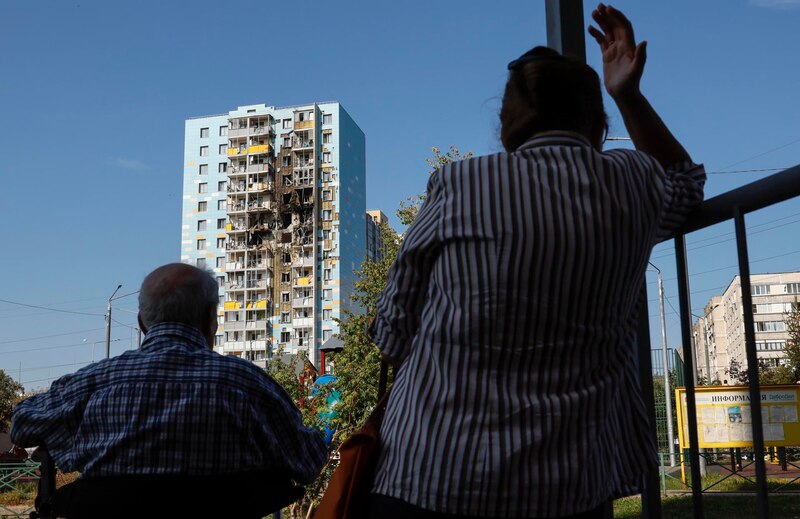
(623, 65)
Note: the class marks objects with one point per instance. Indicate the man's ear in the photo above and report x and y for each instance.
(141, 324)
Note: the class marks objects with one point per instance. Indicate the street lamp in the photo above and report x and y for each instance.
(108, 322)
(95, 343)
(664, 360)
(108, 317)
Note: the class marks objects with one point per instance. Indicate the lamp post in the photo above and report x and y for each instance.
(108, 317)
(664, 360)
(108, 322)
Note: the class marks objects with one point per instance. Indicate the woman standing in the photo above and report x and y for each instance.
(510, 310)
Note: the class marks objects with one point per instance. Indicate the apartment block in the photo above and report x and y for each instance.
(375, 219)
(719, 332)
(274, 205)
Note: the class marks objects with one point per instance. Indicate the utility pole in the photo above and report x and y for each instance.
(108, 323)
(664, 360)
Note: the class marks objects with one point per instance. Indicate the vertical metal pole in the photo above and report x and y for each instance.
(651, 492)
(667, 391)
(752, 364)
(108, 322)
(691, 405)
(565, 29)
(108, 330)
(705, 343)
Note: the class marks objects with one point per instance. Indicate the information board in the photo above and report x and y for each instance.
(724, 416)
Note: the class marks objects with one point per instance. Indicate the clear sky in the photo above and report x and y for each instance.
(94, 95)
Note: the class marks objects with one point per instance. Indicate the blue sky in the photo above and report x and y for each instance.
(94, 97)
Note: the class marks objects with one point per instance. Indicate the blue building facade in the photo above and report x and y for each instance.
(274, 205)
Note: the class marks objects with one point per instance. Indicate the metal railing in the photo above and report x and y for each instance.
(20, 477)
(733, 205)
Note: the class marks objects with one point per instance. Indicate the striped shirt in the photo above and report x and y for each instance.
(512, 305)
(172, 407)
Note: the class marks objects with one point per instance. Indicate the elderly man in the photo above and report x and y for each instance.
(173, 407)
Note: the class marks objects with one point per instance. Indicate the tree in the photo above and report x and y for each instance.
(10, 394)
(357, 366)
(793, 344)
(767, 374)
(408, 209)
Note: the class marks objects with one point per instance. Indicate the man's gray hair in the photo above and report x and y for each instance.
(178, 293)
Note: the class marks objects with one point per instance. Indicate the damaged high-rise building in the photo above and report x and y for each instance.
(274, 204)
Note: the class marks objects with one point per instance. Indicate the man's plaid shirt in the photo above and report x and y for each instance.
(172, 407)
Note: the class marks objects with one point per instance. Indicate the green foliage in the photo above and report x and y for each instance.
(357, 366)
(782, 374)
(409, 208)
(293, 373)
(793, 344)
(10, 394)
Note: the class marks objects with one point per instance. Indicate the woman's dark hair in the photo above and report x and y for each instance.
(547, 91)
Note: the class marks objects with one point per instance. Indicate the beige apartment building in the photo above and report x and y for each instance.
(718, 334)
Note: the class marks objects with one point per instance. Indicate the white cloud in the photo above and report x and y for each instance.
(130, 164)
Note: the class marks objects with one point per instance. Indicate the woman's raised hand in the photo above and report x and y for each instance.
(623, 60)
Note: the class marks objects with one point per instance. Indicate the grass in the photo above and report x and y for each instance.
(715, 507)
(734, 483)
(24, 493)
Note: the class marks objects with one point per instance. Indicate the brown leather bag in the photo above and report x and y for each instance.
(347, 495)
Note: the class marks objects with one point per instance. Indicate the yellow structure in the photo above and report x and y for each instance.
(724, 418)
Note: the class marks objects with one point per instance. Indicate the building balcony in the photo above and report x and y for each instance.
(236, 246)
(260, 148)
(299, 164)
(300, 144)
(237, 188)
(234, 286)
(261, 324)
(254, 130)
(236, 207)
(264, 205)
(259, 186)
(302, 125)
(302, 302)
(303, 322)
(303, 262)
(302, 343)
(234, 170)
(233, 305)
(261, 264)
(237, 152)
(258, 168)
(260, 283)
(234, 265)
(302, 282)
(256, 305)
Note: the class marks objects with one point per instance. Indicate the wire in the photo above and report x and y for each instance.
(50, 309)
(729, 239)
(49, 347)
(63, 302)
(123, 324)
(762, 154)
(689, 242)
(51, 336)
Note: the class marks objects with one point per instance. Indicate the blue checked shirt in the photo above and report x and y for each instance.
(172, 407)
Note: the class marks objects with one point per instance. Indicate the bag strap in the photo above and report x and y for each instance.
(383, 379)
